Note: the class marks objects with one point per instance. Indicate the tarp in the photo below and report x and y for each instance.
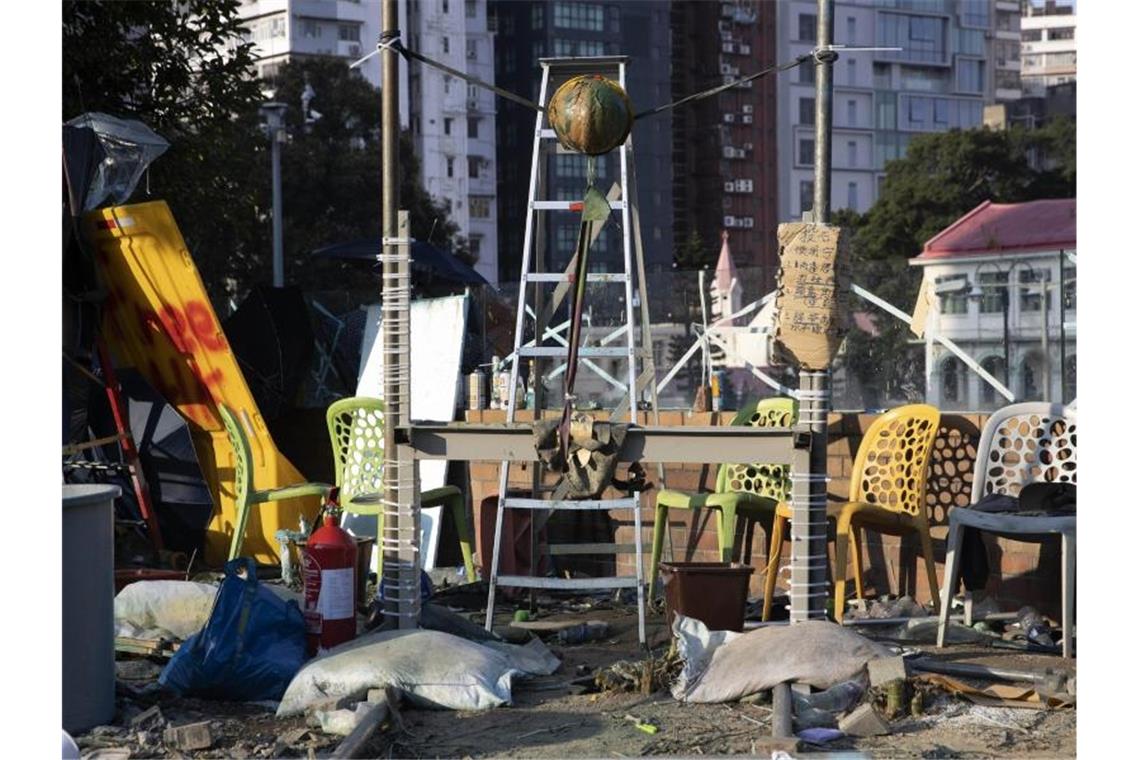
(427, 261)
(272, 338)
(127, 148)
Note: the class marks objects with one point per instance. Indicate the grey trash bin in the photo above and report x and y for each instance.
(88, 606)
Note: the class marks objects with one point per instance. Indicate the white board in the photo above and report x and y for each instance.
(437, 329)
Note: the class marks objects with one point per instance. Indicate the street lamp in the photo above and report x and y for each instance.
(274, 114)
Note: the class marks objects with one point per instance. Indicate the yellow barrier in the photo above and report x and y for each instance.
(158, 319)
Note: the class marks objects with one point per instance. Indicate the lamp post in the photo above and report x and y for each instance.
(274, 114)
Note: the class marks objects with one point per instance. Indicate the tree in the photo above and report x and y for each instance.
(186, 71)
(331, 172)
(943, 176)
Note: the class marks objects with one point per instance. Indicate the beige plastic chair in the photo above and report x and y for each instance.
(1025, 443)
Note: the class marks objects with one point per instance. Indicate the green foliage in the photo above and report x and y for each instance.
(186, 71)
(942, 177)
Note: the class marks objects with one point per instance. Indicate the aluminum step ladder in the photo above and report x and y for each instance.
(622, 199)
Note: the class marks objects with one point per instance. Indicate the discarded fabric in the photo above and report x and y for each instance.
(250, 648)
(163, 609)
(722, 666)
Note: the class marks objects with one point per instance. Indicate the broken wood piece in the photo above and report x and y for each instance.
(354, 744)
(863, 721)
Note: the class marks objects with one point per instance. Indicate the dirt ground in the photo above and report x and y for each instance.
(550, 717)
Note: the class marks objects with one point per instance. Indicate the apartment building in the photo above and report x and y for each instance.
(945, 72)
(1048, 46)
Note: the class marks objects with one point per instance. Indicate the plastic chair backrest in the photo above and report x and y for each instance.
(890, 466)
(768, 480)
(1032, 442)
(243, 472)
(356, 429)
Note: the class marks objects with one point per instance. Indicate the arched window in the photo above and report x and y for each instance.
(995, 365)
(1031, 379)
(953, 381)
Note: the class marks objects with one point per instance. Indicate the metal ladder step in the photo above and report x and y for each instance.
(561, 352)
(564, 277)
(570, 504)
(579, 549)
(569, 205)
(569, 584)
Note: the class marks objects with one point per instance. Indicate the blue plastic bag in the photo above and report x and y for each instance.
(250, 649)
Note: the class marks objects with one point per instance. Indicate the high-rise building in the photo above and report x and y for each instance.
(941, 79)
(452, 123)
(530, 31)
(1048, 46)
(724, 147)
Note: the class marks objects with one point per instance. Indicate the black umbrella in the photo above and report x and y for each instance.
(426, 260)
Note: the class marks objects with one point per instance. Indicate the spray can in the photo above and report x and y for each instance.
(476, 390)
(717, 390)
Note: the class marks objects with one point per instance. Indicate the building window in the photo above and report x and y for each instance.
(537, 50)
(1069, 286)
(950, 376)
(587, 16)
(974, 12)
(807, 72)
(450, 166)
(446, 45)
(1070, 378)
(995, 291)
(472, 49)
(851, 72)
(850, 29)
(995, 365)
(852, 153)
(852, 196)
(882, 75)
(446, 85)
(446, 6)
(312, 30)
(971, 76)
(806, 153)
(475, 246)
(578, 48)
(567, 239)
(473, 166)
(447, 125)
(807, 192)
(852, 110)
(954, 303)
(473, 128)
(922, 38)
(536, 17)
(807, 110)
(349, 32)
(470, 9)
(1031, 35)
(1063, 33)
(1030, 296)
(573, 165)
(941, 112)
(615, 20)
(808, 23)
(1031, 378)
(480, 206)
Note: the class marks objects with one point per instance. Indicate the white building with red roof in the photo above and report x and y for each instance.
(1004, 276)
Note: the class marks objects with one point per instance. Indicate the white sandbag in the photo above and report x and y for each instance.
(431, 668)
(721, 666)
(163, 609)
(533, 658)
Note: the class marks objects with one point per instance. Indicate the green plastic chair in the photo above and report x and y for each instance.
(246, 495)
(356, 428)
(749, 490)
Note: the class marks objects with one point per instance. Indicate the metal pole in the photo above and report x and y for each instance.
(1005, 328)
(1046, 363)
(824, 58)
(390, 159)
(1061, 311)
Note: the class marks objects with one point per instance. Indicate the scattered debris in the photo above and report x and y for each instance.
(190, 736)
(147, 719)
(863, 721)
(641, 725)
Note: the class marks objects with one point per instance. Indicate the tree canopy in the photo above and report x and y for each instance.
(186, 70)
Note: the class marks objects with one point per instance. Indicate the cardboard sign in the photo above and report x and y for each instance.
(812, 293)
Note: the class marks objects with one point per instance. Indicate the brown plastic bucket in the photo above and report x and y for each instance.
(713, 592)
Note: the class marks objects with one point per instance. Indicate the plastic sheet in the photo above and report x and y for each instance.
(129, 147)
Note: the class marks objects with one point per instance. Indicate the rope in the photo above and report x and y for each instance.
(727, 86)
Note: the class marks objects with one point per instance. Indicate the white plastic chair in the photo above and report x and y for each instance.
(1024, 443)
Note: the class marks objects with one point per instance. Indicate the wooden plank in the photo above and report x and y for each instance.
(355, 743)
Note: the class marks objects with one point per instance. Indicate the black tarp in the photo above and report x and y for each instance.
(272, 338)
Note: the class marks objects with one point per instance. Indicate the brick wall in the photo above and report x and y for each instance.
(1020, 573)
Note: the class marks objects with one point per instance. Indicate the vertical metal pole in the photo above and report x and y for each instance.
(824, 58)
(1046, 363)
(1005, 328)
(275, 132)
(390, 159)
(1061, 312)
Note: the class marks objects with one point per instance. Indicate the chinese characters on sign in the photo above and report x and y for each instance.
(812, 292)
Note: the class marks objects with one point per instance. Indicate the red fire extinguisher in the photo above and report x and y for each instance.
(329, 572)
